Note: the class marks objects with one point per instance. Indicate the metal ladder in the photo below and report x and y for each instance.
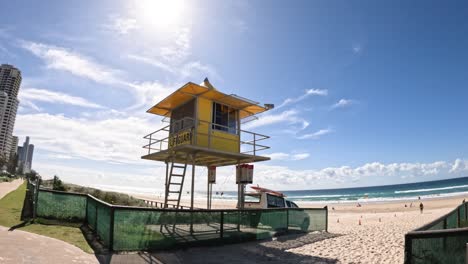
(175, 180)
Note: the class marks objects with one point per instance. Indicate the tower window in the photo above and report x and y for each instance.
(224, 118)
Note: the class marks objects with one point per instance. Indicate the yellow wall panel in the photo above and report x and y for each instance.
(220, 140)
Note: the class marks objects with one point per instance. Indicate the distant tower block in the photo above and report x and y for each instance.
(10, 81)
(25, 156)
(204, 130)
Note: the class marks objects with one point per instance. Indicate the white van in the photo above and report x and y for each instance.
(264, 198)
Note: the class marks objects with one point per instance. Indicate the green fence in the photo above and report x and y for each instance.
(30, 200)
(140, 228)
(61, 205)
(441, 241)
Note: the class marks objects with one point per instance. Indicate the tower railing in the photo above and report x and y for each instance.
(248, 141)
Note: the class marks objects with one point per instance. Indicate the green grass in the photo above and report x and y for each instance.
(10, 214)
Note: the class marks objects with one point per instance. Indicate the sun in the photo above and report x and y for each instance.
(161, 14)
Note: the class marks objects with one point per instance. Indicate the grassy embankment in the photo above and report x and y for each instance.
(108, 197)
(10, 216)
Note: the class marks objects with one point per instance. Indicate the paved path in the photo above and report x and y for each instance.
(22, 247)
(6, 187)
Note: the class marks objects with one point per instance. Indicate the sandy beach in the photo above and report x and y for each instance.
(379, 238)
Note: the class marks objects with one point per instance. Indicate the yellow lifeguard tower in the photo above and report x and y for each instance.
(204, 130)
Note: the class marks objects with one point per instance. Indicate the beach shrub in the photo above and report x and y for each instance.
(58, 184)
(114, 198)
(32, 175)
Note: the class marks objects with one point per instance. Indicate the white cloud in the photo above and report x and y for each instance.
(145, 93)
(29, 95)
(153, 62)
(112, 140)
(62, 59)
(180, 49)
(285, 156)
(343, 103)
(182, 71)
(59, 156)
(300, 156)
(146, 177)
(459, 166)
(287, 117)
(278, 156)
(283, 177)
(77, 64)
(316, 135)
(149, 93)
(174, 58)
(30, 105)
(190, 68)
(271, 176)
(309, 92)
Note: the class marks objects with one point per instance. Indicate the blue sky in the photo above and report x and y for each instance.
(366, 92)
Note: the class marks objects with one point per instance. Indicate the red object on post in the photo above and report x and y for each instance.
(212, 174)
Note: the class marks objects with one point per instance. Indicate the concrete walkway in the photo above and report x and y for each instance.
(22, 247)
(6, 187)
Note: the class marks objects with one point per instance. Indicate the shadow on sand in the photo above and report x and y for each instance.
(262, 251)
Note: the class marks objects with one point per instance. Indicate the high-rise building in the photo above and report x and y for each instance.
(30, 157)
(14, 146)
(10, 81)
(25, 156)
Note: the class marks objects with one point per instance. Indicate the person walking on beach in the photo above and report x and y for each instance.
(421, 207)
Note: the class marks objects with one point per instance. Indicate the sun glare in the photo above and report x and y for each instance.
(161, 14)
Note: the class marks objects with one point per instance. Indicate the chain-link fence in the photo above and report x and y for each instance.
(440, 241)
(142, 228)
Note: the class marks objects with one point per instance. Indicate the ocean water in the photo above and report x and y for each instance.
(410, 191)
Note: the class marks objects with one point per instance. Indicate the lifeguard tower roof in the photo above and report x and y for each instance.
(205, 90)
(205, 124)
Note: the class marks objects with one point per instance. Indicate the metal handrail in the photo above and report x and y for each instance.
(153, 140)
